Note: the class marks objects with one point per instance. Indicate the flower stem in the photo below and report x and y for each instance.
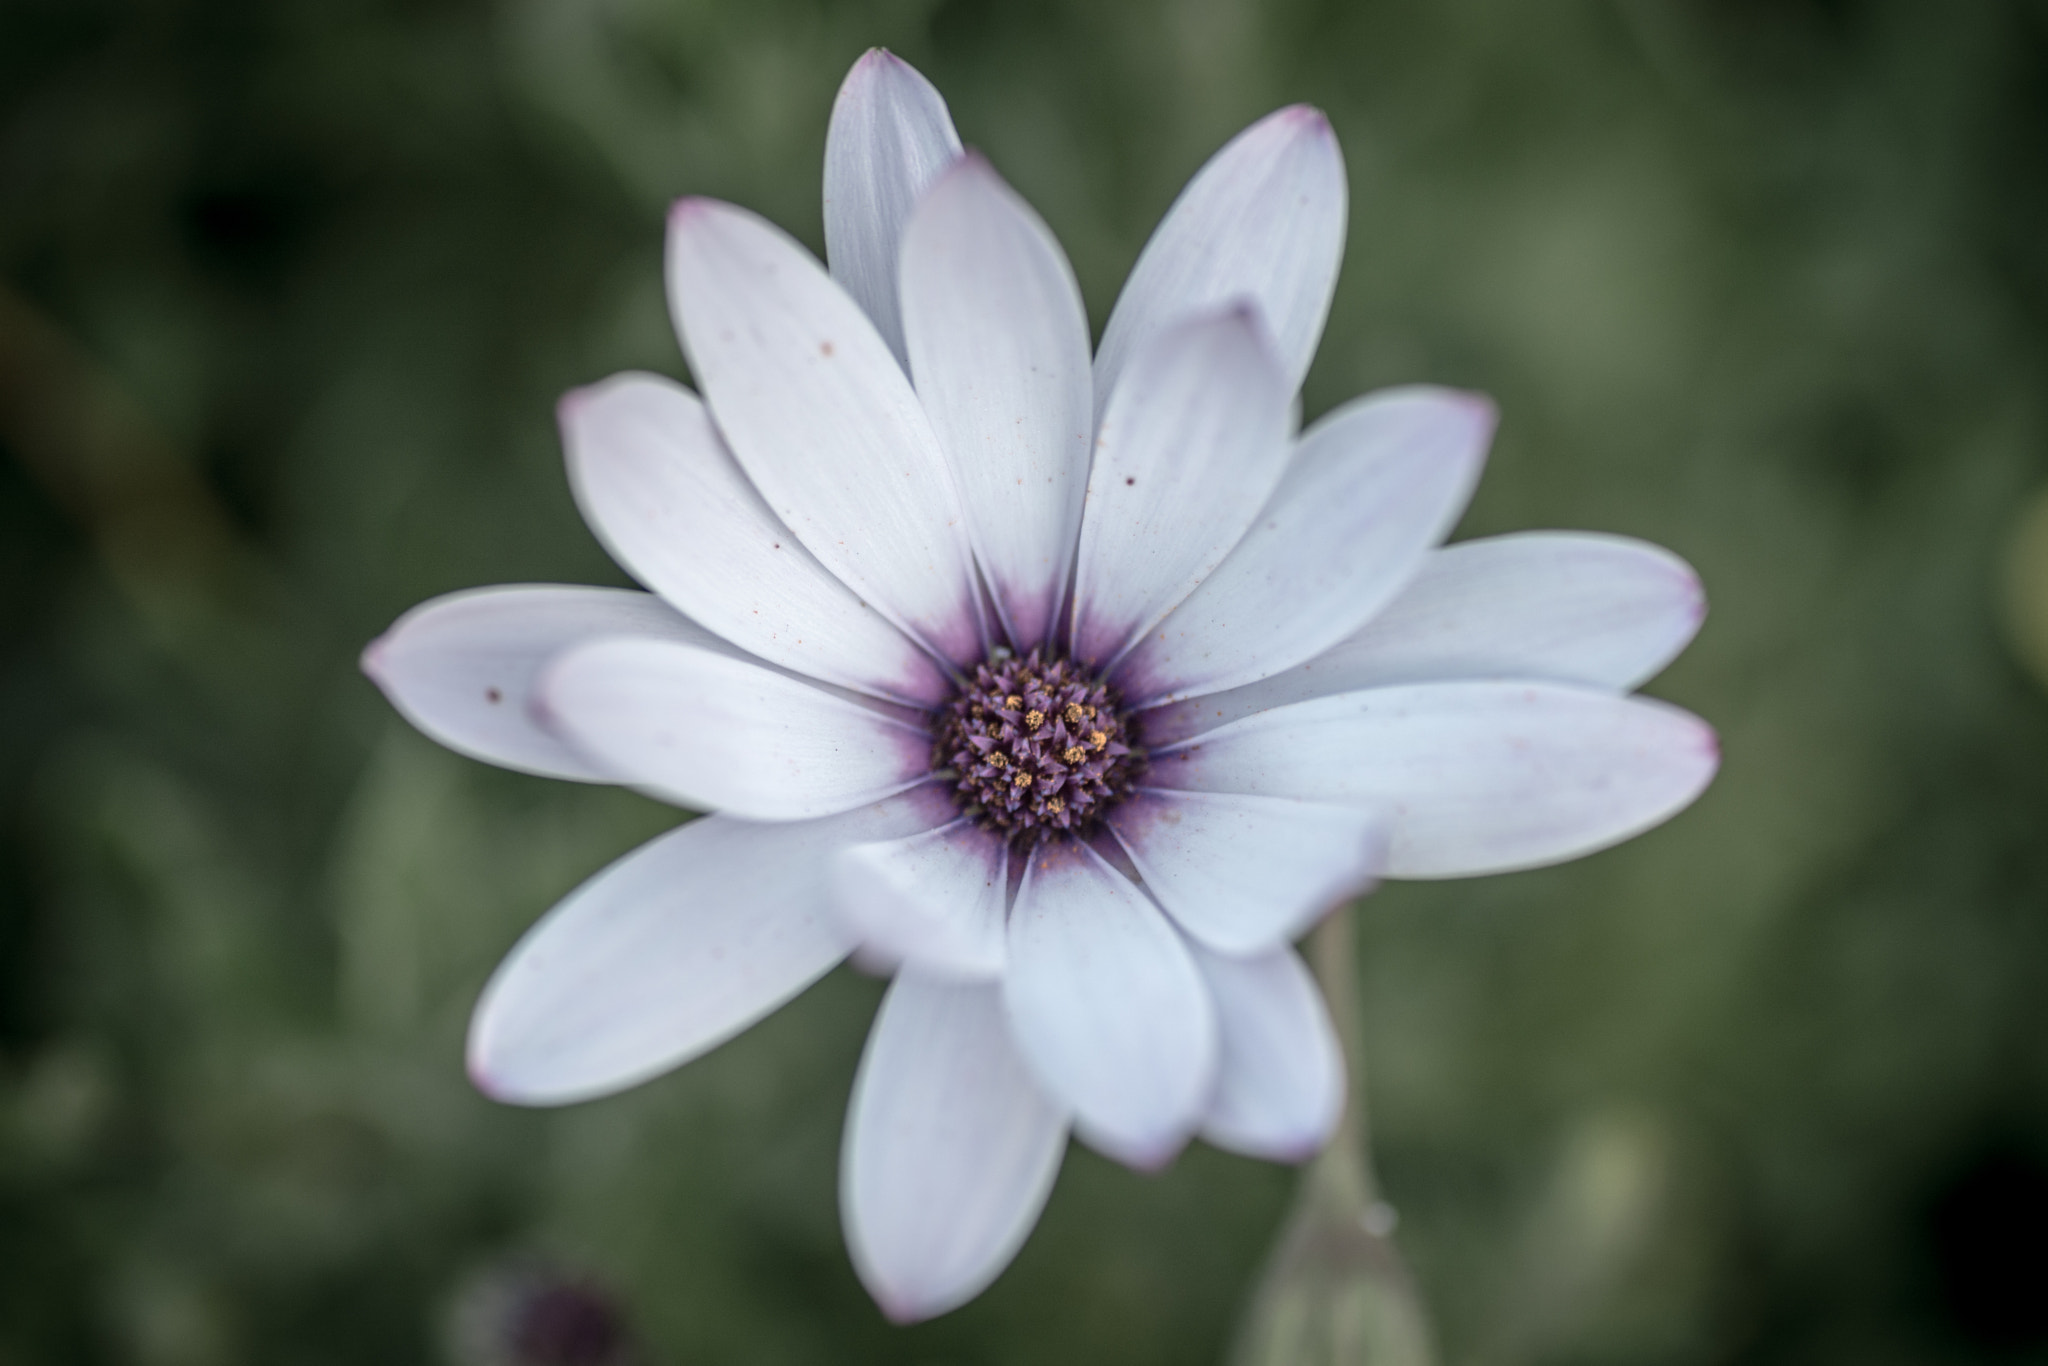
(1335, 1291)
(1343, 1170)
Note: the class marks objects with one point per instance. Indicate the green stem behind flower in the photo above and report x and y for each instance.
(1343, 1170)
(1335, 1291)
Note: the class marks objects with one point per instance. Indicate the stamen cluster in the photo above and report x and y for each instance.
(1039, 747)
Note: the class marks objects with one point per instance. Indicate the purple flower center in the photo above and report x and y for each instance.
(1039, 747)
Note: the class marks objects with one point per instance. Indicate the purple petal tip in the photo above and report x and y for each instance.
(878, 63)
(1305, 118)
(901, 1311)
(478, 1076)
(1294, 1154)
(970, 165)
(689, 206)
(1484, 411)
(1152, 1158)
(570, 403)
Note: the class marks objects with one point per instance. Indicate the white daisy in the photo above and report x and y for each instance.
(1073, 690)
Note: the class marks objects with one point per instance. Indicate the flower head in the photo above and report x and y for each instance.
(1074, 687)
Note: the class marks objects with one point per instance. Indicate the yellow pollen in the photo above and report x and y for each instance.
(1021, 780)
(998, 759)
(1013, 701)
(1074, 754)
(1055, 805)
(1098, 738)
(1089, 712)
(1073, 713)
(1034, 718)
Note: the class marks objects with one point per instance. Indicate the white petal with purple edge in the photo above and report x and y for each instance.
(889, 138)
(709, 731)
(1370, 489)
(1476, 777)
(951, 1148)
(658, 486)
(998, 345)
(1561, 607)
(670, 951)
(462, 667)
(823, 420)
(1192, 446)
(1107, 1007)
(1263, 220)
(1280, 1084)
(937, 900)
(1245, 874)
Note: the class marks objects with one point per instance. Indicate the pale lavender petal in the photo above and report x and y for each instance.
(1263, 220)
(936, 900)
(1280, 1084)
(823, 420)
(670, 951)
(1370, 489)
(951, 1148)
(1560, 607)
(999, 350)
(658, 486)
(890, 137)
(1192, 446)
(1245, 874)
(462, 667)
(1476, 777)
(1107, 1006)
(709, 731)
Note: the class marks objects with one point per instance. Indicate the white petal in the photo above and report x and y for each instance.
(1370, 489)
(709, 731)
(1107, 1006)
(1263, 220)
(1280, 1085)
(1192, 446)
(669, 952)
(890, 137)
(462, 667)
(1477, 777)
(659, 487)
(823, 420)
(1563, 607)
(1244, 874)
(951, 1148)
(999, 349)
(938, 900)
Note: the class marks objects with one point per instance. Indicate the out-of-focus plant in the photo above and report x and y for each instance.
(525, 1312)
(2026, 586)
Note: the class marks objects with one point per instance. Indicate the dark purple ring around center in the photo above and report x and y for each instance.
(1038, 747)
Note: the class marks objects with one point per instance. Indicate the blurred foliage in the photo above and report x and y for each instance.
(287, 291)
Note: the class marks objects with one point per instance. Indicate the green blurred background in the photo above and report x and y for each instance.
(289, 291)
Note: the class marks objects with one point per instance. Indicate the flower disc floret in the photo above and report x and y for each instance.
(1038, 747)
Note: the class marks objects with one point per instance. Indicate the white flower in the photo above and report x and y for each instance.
(1258, 685)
